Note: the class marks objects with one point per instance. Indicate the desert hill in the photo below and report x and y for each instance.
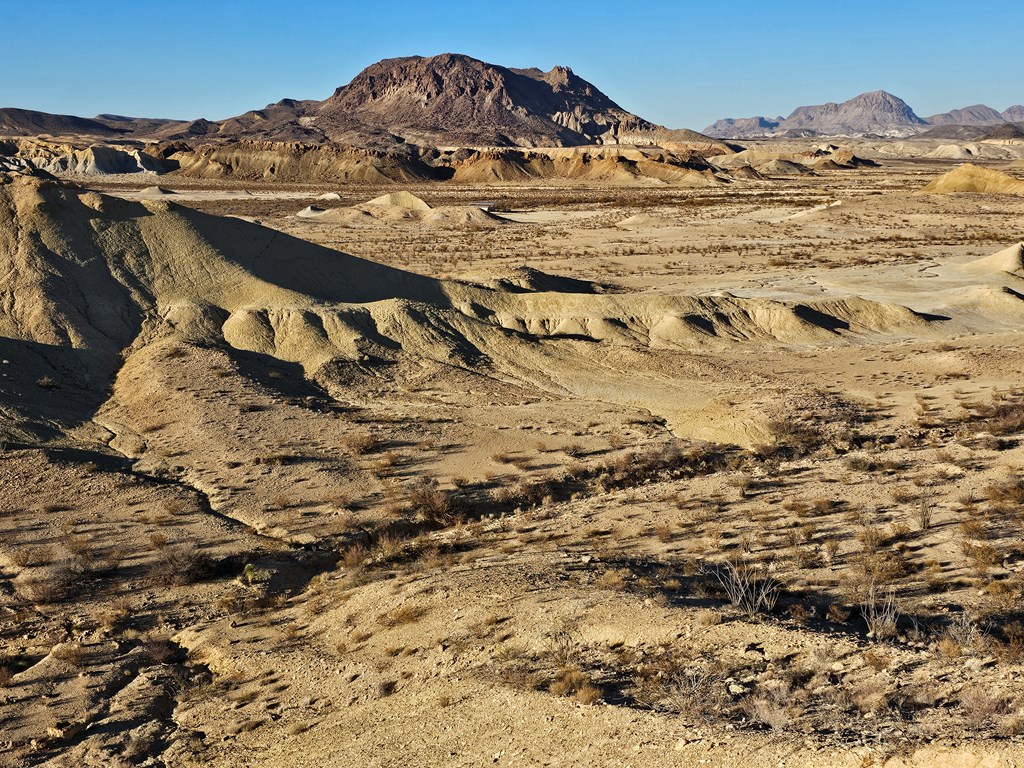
(973, 178)
(974, 115)
(26, 122)
(100, 277)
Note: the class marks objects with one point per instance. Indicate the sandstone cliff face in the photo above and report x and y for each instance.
(72, 159)
(294, 161)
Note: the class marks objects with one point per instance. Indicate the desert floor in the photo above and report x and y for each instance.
(779, 524)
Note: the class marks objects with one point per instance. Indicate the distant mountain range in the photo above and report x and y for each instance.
(445, 100)
(870, 114)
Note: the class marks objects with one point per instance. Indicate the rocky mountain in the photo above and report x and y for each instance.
(870, 114)
(743, 126)
(447, 100)
(455, 99)
(876, 112)
(1014, 114)
(977, 114)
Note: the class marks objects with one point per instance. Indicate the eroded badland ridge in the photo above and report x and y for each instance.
(466, 418)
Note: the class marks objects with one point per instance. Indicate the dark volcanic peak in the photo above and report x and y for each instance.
(955, 132)
(27, 122)
(1005, 131)
(456, 99)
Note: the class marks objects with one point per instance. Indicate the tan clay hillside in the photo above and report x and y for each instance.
(614, 472)
(972, 178)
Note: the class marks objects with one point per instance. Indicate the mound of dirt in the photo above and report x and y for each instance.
(951, 152)
(310, 212)
(646, 221)
(781, 167)
(746, 172)
(1007, 260)
(404, 200)
(529, 280)
(333, 196)
(973, 178)
(462, 216)
(155, 192)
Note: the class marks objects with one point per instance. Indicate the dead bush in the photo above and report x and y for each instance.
(749, 590)
(435, 506)
(180, 564)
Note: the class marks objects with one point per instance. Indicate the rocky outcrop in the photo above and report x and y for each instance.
(68, 159)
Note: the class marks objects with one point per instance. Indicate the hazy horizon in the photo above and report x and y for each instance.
(217, 61)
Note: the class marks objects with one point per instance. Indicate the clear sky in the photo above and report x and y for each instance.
(676, 62)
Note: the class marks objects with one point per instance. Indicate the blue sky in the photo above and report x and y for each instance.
(680, 63)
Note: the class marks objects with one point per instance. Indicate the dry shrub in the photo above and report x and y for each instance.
(28, 556)
(355, 556)
(50, 585)
(388, 546)
(406, 614)
(435, 506)
(708, 617)
(980, 706)
(749, 590)
(1012, 725)
(693, 688)
(877, 659)
(612, 579)
(837, 614)
(180, 564)
(158, 650)
(115, 614)
(588, 693)
(870, 696)
(569, 681)
(1006, 492)
(70, 654)
(771, 707)
(880, 613)
(359, 445)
